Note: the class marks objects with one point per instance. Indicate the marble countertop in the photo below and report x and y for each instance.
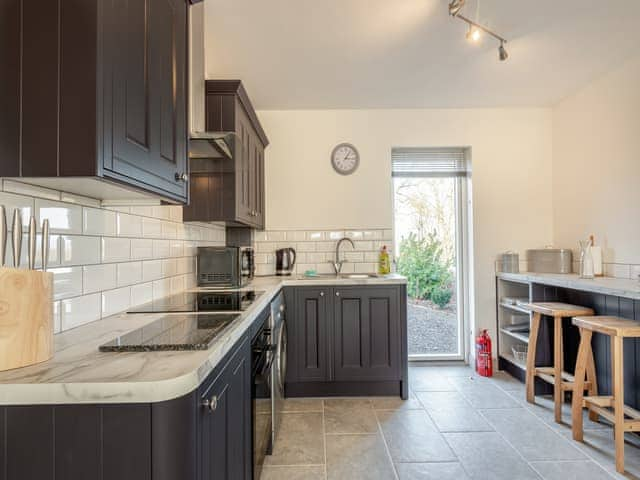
(619, 287)
(79, 373)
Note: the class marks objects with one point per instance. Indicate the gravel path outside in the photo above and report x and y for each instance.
(431, 330)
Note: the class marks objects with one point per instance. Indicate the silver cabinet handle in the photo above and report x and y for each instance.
(212, 404)
(181, 177)
(322, 294)
(337, 294)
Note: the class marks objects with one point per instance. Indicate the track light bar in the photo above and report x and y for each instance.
(454, 10)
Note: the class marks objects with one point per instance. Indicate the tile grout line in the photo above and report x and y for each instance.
(386, 446)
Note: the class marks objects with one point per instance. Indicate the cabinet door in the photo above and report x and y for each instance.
(225, 429)
(145, 136)
(366, 334)
(244, 207)
(258, 174)
(308, 347)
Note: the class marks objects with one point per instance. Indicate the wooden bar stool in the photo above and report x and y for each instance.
(617, 329)
(555, 374)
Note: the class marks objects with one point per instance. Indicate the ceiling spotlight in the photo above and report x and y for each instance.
(474, 34)
(455, 6)
(502, 52)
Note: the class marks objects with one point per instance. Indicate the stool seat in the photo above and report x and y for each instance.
(612, 326)
(557, 309)
(555, 375)
(611, 407)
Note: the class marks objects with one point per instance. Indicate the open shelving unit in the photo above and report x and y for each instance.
(507, 315)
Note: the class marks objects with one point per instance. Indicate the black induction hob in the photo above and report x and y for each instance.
(218, 301)
(173, 332)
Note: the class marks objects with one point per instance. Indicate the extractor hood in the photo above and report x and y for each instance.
(211, 145)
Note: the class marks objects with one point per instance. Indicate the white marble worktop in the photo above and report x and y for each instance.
(79, 373)
(619, 287)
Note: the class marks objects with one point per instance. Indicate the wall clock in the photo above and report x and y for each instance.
(345, 158)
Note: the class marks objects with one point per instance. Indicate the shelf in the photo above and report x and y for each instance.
(515, 308)
(510, 358)
(523, 337)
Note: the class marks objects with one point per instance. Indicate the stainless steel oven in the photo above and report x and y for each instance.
(225, 267)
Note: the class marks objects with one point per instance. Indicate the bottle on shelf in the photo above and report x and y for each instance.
(384, 261)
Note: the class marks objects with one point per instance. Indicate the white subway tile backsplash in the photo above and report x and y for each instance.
(63, 217)
(78, 250)
(141, 248)
(306, 246)
(67, 282)
(96, 278)
(116, 250)
(334, 235)
(116, 255)
(116, 301)
(129, 225)
(98, 222)
(315, 236)
(295, 236)
(79, 311)
(129, 273)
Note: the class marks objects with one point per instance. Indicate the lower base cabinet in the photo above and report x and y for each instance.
(347, 340)
(204, 435)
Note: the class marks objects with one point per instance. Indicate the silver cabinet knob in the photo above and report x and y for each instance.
(181, 177)
(322, 294)
(337, 294)
(211, 405)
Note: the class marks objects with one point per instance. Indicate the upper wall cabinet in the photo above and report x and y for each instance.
(230, 189)
(99, 94)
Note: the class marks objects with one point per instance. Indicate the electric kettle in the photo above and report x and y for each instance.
(285, 260)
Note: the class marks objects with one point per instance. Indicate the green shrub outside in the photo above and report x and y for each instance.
(428, 273)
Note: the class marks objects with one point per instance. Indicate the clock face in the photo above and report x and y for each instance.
(345, 159)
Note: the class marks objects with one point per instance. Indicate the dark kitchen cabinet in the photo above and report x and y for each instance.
(95, 103)
(230, 190)
(309, 335)
(347, 340)
(366, 333)
(203, 435)
(225, 420)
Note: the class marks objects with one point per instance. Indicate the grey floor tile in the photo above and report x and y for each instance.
(349, 415)
(300, 440)
(598, 444)
(431, 471)
(396, 403)
(544, 409)
(486, 455)
(425, 380)
(572, 470)
(459, 419)
(507, 382)
(315, 472)
(355, 457)
(531, 436)
(436, 400)
(444, 370)
(412, 437)
(482, 394)
(302, 405)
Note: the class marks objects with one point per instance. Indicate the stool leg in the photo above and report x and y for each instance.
(618, 401)
(531, 358)
(591, 377)
(558, 367)
(584, 351)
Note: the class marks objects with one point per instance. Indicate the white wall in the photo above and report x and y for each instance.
(596, 166)
(511, 155)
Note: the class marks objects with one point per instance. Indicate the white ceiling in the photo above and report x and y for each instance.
(294, 54)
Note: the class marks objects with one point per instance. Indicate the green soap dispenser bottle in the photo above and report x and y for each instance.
(384, 263)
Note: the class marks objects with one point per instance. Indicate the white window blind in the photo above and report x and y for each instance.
(429, 162)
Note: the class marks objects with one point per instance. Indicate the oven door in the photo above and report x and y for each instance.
(262, 412)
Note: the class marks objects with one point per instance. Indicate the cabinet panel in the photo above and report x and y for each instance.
(367, 334)
(309, 331)
(126, 442)
(10, 88)
(77, 442)
(26, 428)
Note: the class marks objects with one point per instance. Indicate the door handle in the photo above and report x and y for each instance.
(181, 177)
(211, 405)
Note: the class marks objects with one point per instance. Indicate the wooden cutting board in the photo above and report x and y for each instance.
(26, 317)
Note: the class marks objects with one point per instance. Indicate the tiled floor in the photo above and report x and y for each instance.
(455, 425)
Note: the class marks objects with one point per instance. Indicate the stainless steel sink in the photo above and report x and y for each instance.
(361, 276)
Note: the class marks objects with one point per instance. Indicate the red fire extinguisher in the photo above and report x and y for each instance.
(484, 364)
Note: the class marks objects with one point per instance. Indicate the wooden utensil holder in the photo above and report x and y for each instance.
(26, 317)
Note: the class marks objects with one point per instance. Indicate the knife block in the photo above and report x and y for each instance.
(26, 317)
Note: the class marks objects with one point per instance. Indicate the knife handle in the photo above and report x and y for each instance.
(45, 244)
(3, 235)
(17, 237)
(32, 242)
